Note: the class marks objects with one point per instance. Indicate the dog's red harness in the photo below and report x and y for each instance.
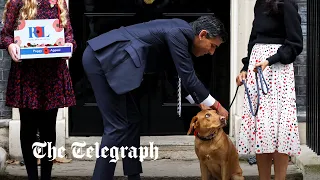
(195, 133)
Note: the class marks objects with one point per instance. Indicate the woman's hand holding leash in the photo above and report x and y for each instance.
(258, 69)
(242, 76)
(262, 64)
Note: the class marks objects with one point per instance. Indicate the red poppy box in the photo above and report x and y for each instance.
(41, 38)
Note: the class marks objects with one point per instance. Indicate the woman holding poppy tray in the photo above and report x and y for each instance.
(38, 87)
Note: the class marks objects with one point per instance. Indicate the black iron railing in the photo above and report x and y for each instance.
(313, 91)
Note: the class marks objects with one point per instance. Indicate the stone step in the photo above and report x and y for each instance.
(163, 141)
(155, 170)
(169, 147)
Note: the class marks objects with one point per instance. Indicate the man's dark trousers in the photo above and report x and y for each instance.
(121, 120)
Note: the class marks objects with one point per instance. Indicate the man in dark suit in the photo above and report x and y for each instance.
(115, 63)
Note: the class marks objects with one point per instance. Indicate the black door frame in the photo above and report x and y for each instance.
(92, 106)
(313, 75)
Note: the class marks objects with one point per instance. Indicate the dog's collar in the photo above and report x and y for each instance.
(206, 138)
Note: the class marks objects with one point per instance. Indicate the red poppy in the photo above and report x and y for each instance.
(21, 24)
(45, 50)
(60, 41)
(56, 26)
(39, 31)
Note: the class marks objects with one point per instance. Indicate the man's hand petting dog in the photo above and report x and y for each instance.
(216, 106)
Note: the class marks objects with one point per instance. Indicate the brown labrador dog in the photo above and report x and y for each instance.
(217, 154)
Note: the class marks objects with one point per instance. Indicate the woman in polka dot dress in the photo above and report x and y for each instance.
(275, 42)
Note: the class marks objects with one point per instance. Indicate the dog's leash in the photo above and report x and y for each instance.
(262, 80)
(252, 160)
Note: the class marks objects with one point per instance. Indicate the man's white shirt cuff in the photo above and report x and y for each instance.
(209, 101)
(190, 99)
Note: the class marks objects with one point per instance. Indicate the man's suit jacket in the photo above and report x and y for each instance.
(124, 53)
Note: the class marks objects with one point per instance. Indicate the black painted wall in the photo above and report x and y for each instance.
(300, 70)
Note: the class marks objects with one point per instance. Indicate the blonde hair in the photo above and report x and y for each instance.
(29, 11)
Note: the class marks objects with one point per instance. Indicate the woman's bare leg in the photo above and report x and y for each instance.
(264, 162)
(280, 165)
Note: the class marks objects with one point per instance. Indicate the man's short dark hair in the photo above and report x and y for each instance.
(212, 25)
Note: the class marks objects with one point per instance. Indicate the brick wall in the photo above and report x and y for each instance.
(300, 70)
(5, 112)
(301, 66)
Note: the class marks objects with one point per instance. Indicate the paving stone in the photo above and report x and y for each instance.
(3, 159)
(158, 169)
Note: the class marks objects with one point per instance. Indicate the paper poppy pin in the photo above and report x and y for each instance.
(52, 3)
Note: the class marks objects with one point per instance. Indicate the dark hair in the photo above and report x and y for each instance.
(212, 25)
(272, 5)
(276, 6)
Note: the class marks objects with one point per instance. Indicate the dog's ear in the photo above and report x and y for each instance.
(192, 124)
